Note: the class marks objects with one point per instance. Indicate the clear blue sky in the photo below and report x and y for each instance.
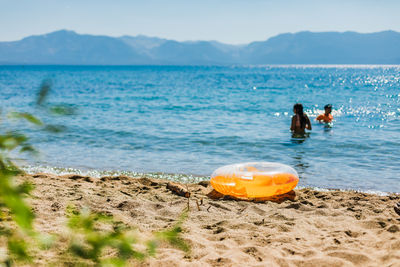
(229, 21)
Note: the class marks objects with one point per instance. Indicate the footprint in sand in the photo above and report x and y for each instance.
(253, 251)
(258, 210)
(374, 224)
(298, 206)
(56, 206)
(219, 230)
(157, 206)
(393, 229)
(283, 228)
(351, 233)
(280, 217)
(322, 206)
(220, 262)
(217, 227)
(220, 206)
(289, 251)
(128, 205)
(356, 258)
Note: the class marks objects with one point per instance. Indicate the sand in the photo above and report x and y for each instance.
(305, 228)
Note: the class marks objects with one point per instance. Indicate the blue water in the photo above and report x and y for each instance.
(192, 120)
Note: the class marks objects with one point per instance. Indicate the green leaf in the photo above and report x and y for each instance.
(24, 188)
(27, 116)
(151, 247)
(63, 110)
(54, 128)
(44, 90)
(125, 249)
(11, 140)
(21, 212)
(46, 241)
(28, 149)
(172, 237)
(5, 231)
(18, 248)
(71, 210)
(115, 262)
(80, 251)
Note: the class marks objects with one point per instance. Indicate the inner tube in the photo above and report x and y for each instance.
(254, 179)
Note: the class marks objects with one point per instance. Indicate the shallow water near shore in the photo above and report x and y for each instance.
(189, 120)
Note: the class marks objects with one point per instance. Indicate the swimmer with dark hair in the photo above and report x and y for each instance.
(327, 116)
(300, 120)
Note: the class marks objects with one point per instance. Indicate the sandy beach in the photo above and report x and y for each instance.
(303, 228)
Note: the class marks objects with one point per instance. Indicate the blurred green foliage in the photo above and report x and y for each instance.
(92, 234)
(16, 216)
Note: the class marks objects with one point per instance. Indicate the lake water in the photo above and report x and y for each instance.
(192, 120)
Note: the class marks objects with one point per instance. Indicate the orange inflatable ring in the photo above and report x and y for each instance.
(254, 179)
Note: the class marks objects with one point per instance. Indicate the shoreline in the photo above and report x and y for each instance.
(308, 228)
(174, 177)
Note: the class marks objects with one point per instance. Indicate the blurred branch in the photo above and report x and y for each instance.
(44, 90)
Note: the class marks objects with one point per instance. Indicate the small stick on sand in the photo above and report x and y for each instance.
(198, 206)
(208, 208)
(188, 201)
(187, 188)
(178, 189)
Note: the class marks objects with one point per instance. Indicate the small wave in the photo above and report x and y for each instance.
(183, 178)
(371, 192)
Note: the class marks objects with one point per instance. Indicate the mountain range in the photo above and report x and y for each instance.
(70, 48)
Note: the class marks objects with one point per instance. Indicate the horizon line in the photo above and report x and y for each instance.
(311, 65)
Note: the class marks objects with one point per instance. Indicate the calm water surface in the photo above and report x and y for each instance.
(192, 120)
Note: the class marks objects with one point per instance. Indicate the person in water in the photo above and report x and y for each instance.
(327, 116)
(300, 120)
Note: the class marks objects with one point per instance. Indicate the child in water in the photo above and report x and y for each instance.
(327, 116)
(300, 120)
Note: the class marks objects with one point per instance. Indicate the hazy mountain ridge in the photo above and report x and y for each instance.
(327, 48)
(68, 47)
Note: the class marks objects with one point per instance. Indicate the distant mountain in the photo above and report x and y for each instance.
(163, 51)
(142, 44)
(187, 53)
(70, 48)
(326, 48)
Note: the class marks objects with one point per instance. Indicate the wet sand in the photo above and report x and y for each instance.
(303, 228)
